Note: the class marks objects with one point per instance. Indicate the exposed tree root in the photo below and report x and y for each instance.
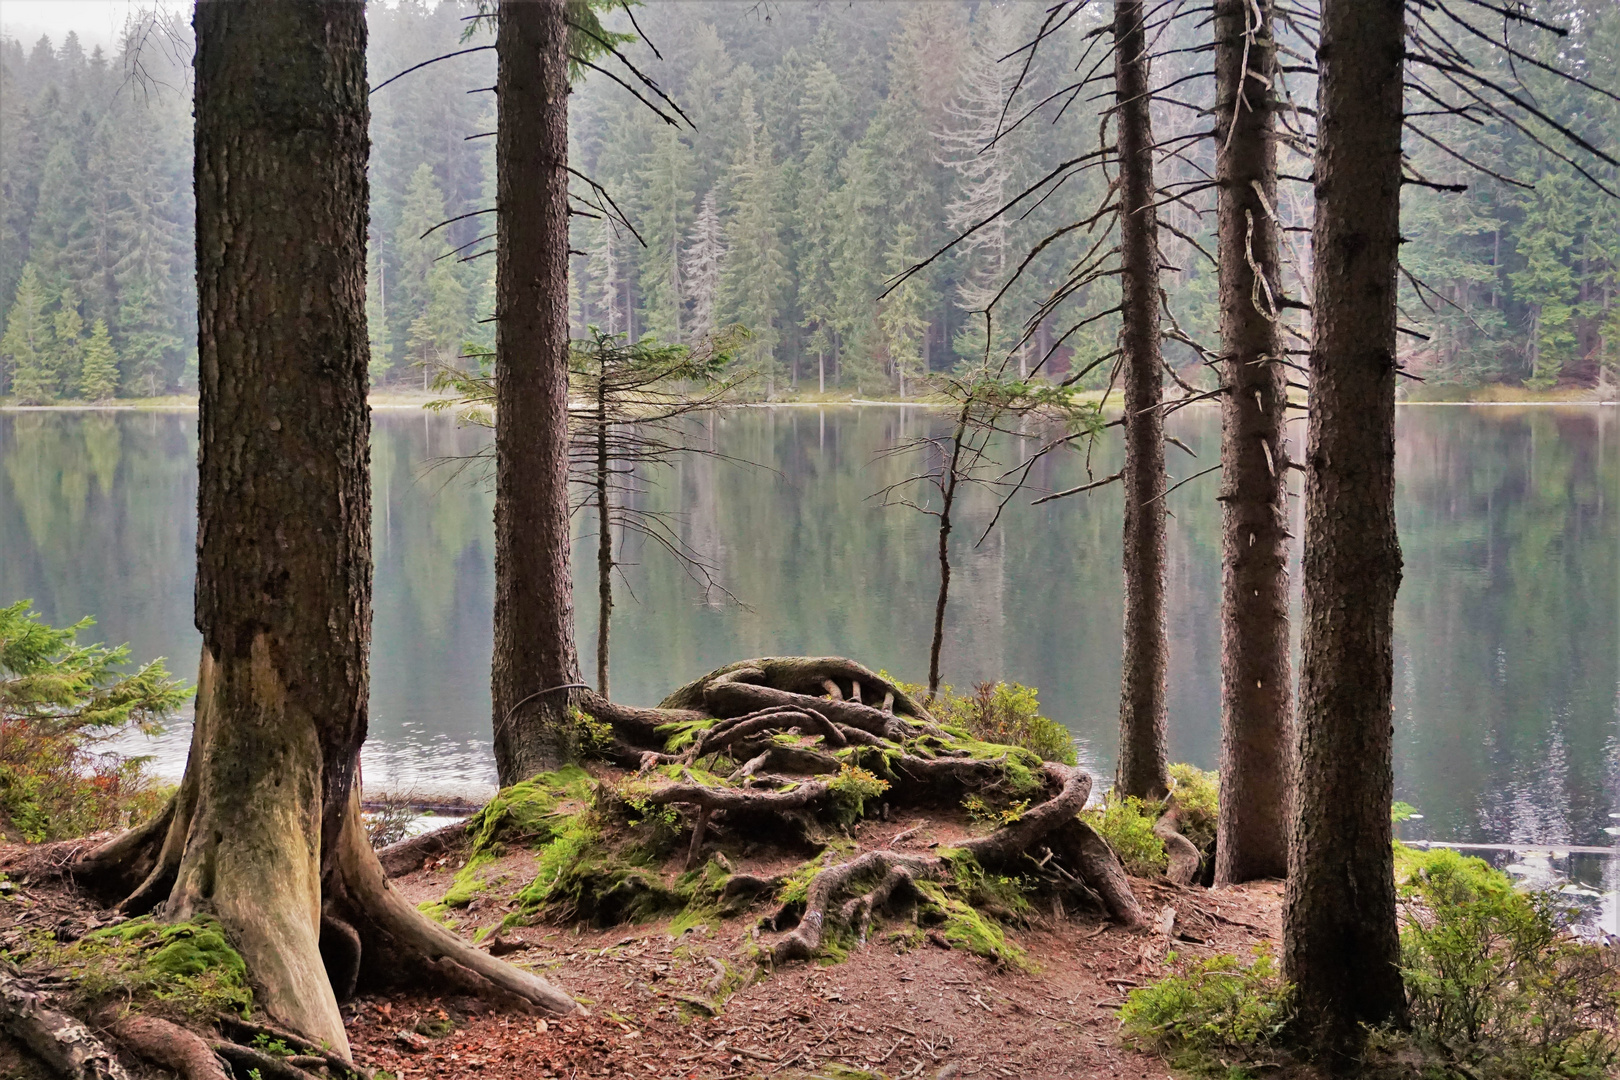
(409, 855)
(367, 936)
(62, 1042)
(1185, 858)
(771, 740)
(246, 1031)
(177, 1049)
(268, 1066)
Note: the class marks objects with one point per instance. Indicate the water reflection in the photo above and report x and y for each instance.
(1508, 623)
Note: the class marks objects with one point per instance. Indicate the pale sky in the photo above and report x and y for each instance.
(97, 22)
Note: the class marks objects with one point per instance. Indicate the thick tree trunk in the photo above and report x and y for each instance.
(534, 603)
(1142, 751)
(1256, 730)
(1340, 942)
(284, 496)
(263, 831)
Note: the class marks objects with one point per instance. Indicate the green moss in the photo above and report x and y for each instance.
(186, 969)
(964, 927)
(1198, 795)
(1004, 896)
(678, 736)
(1127, 825)
(527, 811)
(796, 889)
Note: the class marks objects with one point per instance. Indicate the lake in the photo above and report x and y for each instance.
(1507, 668)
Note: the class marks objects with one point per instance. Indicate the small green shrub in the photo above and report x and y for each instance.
(1212, 1012)
(1005, 713)
(1198, 794)
(849, 791)
(984, 812)
(1127, 825)
(1493, 978)
(57, 700)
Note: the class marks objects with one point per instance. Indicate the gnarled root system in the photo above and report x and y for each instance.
(760, 744)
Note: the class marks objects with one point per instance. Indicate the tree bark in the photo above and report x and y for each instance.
(1143, 769)
(604, 539)
(1256, 680)
(1340, 942)
(283, 594)
(264, 833)
(948, 499)
(534, 605)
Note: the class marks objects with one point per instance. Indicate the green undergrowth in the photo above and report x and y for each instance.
(1127, 823)
(1496, 987)
(1219, 1016)
(1002, 713)
(1197, 793)
(1493, 980)
(59, 703)
(187, 970)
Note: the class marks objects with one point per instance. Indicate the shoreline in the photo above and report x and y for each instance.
(395, 405)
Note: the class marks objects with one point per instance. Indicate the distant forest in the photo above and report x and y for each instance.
(831, 146)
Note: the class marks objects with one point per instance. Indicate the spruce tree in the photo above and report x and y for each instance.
(754, 284)
(822, 108)
(666, 214)
(902, 318)
(436, 334)
(705, 262)
(1547, 283)
(98, 379)
(26, 346)
(67, 352)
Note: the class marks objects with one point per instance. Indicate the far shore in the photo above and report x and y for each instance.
(396, 400)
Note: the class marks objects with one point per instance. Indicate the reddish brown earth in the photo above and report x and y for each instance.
(930, 1012)
(924, 1014)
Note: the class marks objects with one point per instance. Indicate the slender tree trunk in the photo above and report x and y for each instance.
(1256, 729)
(949, 493)
(1340, 942)
(1143, 769)
(534, 605)
(604, 539)
(821, 373)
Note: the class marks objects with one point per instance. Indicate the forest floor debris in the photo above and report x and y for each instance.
(925, 1012)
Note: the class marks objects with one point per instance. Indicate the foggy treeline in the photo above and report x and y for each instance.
(831, 146)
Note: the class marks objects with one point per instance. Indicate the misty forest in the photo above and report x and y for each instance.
(884, 539)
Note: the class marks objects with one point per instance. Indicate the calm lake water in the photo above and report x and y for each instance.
(1507, 680)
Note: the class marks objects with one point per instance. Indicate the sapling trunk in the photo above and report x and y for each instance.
(604, 540)
(948, 490)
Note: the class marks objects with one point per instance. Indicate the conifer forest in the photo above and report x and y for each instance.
(810, 539)
(829, 149)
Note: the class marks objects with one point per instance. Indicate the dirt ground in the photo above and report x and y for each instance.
(925, 1014)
